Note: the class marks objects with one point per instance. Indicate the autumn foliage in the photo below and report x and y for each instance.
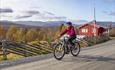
(13, 33)
(112, 32)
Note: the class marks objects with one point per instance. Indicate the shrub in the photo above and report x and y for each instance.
(112, 32)
(96, 40)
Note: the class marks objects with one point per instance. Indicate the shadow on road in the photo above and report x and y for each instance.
(87, 58)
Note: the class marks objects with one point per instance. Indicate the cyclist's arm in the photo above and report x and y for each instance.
(63, 32)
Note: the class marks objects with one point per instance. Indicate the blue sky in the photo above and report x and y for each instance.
(56, 9)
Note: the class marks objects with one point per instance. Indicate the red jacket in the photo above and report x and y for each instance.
(69, 31)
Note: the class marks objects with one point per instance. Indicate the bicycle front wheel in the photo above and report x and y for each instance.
(59, 51)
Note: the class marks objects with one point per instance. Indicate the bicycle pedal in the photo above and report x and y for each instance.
(67, 53)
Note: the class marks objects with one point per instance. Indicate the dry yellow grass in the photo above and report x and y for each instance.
(11, 56)
(112, 32)
(112, 37)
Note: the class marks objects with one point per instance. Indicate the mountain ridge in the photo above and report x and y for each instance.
(49, 23)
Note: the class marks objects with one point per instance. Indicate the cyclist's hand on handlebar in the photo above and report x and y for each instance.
(56, 41)
(58, 36)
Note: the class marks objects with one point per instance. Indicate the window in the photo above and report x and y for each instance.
(85, 30)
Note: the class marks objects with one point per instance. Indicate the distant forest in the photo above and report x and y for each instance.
(19, 34)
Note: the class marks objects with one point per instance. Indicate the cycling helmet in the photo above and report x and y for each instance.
(68, 23)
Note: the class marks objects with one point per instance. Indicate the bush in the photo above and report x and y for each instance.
(102, 39)
(112, 32)
(96, 40)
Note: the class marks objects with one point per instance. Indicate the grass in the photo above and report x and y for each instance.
(37, 48)
(83, 44)
(45, 48)
(11, 56)
(112, 37)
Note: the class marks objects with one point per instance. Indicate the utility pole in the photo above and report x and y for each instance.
(94, 23)
(94, 13)
(94, 30)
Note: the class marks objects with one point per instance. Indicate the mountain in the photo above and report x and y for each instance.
(6, 24)
(49, 23)
(105, 24)
(40, 23)
(27, 24)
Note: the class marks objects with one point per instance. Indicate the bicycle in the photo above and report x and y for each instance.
(60, 48)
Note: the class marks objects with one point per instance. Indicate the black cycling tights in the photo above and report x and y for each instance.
(71, 39)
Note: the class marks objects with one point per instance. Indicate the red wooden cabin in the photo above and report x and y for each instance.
(90, 29)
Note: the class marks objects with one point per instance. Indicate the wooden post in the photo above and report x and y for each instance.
(4, 49)
(23, 44)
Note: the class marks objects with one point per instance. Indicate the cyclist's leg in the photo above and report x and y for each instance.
(67, 48)
(71, 44)
(71, 39)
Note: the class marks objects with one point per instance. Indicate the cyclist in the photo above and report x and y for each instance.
(70, 31)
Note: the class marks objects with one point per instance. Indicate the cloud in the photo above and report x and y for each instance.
(15, 15)
(32, 12)
(6, 10)
(33, 15)
(109, 13)
(39, 15)
(105, 12)
(26, 14)
(45, 17)
(49, 13)
(112, 13)
(25, 10)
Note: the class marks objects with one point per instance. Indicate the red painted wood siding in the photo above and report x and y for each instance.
(90, 30)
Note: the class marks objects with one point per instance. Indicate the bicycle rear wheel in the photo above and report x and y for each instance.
(59, 51)
(75, 49)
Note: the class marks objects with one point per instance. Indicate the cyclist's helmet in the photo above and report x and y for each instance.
(68, 23)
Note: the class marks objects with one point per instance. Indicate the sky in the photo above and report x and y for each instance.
(49, 10)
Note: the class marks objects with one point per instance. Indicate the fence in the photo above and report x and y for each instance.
(23, 49)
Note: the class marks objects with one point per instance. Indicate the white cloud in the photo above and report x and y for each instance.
(26, 10)
(112, 13)
(30, 15)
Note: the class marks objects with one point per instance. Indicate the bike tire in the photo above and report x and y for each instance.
(59, 58)
(78, 51)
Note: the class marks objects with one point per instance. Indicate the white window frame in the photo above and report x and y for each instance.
(84, 30)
